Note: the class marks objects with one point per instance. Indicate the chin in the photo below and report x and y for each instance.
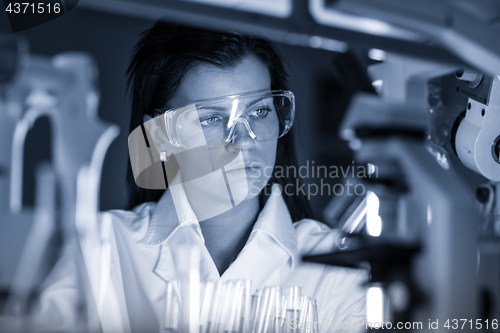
(255, 186)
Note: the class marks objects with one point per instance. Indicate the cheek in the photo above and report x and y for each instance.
(269, 153)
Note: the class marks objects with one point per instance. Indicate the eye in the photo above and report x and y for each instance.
(210, 121)
(259, 113)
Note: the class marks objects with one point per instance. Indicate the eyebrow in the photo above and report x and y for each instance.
(255, 101)
(215, 108)
(224, 109)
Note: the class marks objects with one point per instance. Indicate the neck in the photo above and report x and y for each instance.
(226, 234)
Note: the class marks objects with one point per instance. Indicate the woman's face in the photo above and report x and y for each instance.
(206, 82)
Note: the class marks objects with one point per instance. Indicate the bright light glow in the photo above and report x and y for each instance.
(439, 154)
(442, 160)
(429, 214)
(375, 305)
(233, 113)
(376, 54)
(371, 168)
(373, 220)
(354, 221)
(377, 84)
(276, 8)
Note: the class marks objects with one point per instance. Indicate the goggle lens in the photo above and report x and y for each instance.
(268, 116)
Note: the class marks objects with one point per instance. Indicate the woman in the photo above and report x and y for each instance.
(193, 89)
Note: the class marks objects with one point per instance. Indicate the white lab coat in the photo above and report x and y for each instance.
(141, 246)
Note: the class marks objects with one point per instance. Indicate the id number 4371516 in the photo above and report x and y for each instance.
(478, 324)
(33, 8)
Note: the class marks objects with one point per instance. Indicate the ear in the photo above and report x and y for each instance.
(146, 117)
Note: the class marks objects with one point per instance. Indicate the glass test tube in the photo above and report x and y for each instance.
(171, 309)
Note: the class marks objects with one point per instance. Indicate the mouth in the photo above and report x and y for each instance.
(246, 168)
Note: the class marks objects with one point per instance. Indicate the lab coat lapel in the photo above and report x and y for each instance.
(272, 243)
(258, 260)
(168, 230)
(188, 236)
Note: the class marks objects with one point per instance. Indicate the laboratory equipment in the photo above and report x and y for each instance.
(196, 305)
(232, 306)
(420, 219)
(477, 138)
(61, 88)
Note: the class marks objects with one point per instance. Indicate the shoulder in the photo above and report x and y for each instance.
(315, 237)
(133, 223)
(339, 291)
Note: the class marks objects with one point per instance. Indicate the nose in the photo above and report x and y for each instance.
(242, 137)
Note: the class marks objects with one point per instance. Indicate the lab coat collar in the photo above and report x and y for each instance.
(166, 219)
(274, 220)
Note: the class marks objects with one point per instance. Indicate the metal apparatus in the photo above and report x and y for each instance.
(431, 254)
(63, 89)
(420, 236)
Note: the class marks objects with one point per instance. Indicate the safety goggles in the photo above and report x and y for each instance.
(266, 115)
(207, 132)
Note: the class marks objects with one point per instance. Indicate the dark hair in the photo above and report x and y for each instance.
(161, 58)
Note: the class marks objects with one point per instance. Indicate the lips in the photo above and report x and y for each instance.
(251, 167)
